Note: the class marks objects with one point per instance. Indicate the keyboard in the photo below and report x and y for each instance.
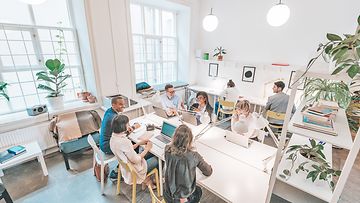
(162, 139)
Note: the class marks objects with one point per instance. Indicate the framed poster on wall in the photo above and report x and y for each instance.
(291, 81)
(248, 74)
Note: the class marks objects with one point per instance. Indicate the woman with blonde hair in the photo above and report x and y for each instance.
(181, 162)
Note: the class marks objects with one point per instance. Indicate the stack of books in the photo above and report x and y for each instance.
(319, 118)
(11, 153)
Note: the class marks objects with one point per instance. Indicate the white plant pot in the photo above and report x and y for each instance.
(56, 102)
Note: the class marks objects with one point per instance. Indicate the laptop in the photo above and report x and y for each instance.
(161, 112)
(238, 139)
(166, 134)
(190, 117)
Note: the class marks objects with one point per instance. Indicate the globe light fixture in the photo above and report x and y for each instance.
(33, 2)
(278, 15)
(210, 22)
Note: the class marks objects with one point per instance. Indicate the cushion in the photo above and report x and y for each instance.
(79, 144)
(142, 85)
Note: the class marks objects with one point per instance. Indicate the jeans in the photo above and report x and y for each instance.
(152, 163)
(193, 198)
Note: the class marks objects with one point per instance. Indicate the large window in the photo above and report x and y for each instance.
(154, 44)
(27, 39)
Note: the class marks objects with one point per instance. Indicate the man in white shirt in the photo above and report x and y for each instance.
(170, 101)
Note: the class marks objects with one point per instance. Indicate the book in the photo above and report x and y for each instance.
(314, 128)
(16, 149)
(5, 156)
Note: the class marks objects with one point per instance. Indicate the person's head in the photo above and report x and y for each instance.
(170, 91)
(182, 140)
(120, 124)
(243, 108)
(278, 86)
(230, 83)
(118, 104)
(202, 98)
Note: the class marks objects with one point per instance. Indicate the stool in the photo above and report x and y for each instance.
(4, 194)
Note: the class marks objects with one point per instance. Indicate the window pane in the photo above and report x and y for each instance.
(21, 61)
(10, 77)
(31, 100)
(28, 88)
(168, 23)
(51, 13)
(139, 49)
(4, 48)
(13, 35)
(17, 103)
(169, 49)
(73, 60)
(69, 36)
(152, 23)
(136, 19)
(14, 90)
(44, 35)
(7, 14)
(3, 106)
(25, 76)
(33, 60)
(17, 47)
(47, 48)
(69, 95)
(29, 47)
(76, 81)
(6, 61)
(153, 49)
(75, 72)
(26, 35)
(140, 72)
(2, 34)
(70, 48)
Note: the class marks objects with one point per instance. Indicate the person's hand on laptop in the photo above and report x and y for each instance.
(148, 145)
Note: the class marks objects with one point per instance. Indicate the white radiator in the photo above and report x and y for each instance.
(39, 133)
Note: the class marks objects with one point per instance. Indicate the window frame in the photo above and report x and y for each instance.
(159, 37)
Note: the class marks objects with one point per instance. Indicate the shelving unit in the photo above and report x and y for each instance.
(343, 139)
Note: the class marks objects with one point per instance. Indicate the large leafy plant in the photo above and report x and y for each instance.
(316, 89)
(343, 51)
(54, 77)
(3, 86)
(319, 167)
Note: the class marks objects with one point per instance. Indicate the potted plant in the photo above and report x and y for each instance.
(3, 86)
(54, 78)
(313, 163)
(219, 52)
(316, 89)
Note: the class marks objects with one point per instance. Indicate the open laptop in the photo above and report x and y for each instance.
(166, 134)
(190, 117)
(161, 112)
(238, 139)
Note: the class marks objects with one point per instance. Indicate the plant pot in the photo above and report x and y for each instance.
(220, 57)
(91, 99)
(56, 102)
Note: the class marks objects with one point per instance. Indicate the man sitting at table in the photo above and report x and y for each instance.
(170, 101)
(278, 102)
(117, 106)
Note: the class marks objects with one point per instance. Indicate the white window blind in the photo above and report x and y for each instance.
(154, 44)
(25, 48)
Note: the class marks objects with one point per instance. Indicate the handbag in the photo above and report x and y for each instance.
(97, 172)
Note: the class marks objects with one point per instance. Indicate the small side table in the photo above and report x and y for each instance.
(32, 151)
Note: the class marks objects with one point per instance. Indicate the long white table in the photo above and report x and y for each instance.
(238, 173)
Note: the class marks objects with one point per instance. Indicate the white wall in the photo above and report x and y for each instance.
(249, 40)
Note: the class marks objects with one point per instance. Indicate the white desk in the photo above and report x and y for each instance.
(32, 151)
(252, 156)
(234, 178)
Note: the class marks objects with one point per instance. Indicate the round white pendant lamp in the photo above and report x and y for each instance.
(210, 22)
(278, 15)
(33, 2)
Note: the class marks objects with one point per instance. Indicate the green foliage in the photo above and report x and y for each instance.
(316, 89)
(219, 51)
(320, 169)
(54, 77)
(3, 86)
(345, 52)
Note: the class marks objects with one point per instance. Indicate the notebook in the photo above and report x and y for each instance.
(16, 149)
(5, 156)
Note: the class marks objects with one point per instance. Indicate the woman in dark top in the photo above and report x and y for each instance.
(202, 104)
(181, 162)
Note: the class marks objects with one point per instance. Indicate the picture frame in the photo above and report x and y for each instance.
(248, 74)
(213, 69)
(291, 80)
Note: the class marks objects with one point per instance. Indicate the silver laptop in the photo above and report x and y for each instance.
(161, 112)
(166, 134)
(238, 139)
(190, 117)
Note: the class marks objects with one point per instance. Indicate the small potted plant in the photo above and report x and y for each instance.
(219, 52)
(54, 81)
(312, 161)
(3, 86)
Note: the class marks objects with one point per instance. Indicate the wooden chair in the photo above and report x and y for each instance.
(130, 168)
(225, 107)
(154, 198)
(275, 115)
(101, 158)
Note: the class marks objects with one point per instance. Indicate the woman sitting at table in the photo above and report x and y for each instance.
(243, 121)
(202, 106)
(181, 161)
(122, 148)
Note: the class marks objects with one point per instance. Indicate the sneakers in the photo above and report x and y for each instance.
(113, 175)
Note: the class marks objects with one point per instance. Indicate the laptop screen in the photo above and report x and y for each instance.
(168, 129)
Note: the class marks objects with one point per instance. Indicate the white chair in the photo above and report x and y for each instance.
(262, 123)
(100, 158)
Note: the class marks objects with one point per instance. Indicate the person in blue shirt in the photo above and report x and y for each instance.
(117, 106)
(170, 101)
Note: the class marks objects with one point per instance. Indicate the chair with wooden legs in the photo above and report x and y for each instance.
(154, 198)
(225, 108)
(130, 168)
(278, 116)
